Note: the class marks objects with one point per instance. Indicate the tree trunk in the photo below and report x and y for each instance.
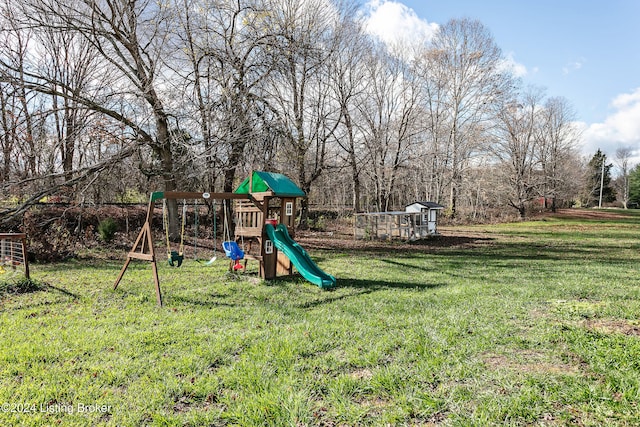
(163, 149)
(356, 192)
(68, 143)
(304, 203)
(453, 197)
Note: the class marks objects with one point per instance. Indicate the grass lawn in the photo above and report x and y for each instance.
(534, 323)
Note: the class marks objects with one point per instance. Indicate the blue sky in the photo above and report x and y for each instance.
(587, 51)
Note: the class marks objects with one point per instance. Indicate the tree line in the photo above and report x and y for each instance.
(107, 100)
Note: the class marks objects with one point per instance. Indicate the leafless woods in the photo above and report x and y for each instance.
(106, 100)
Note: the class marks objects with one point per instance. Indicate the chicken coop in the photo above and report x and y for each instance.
(417, 221)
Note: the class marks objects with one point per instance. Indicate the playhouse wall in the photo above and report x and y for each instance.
(268, 265)
(288, 213)
(284, 265)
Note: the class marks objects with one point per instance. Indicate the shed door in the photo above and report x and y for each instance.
(432, 221)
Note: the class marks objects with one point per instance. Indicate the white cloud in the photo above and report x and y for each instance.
(510, 64)
(627, 100)
(620, 129)
(573, 66)
(395, 23)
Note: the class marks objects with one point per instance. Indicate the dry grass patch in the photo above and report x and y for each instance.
(361, 374)
(614, 326)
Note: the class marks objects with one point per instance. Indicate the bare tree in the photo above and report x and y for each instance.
(388, 113)
(70, 60)
(557, 138)
(197, 91)
(468, 81)
(622, 159)
(348, 80)
(517, 147)
(435, 121)
(129, 38)
(300, 87)
(18, 140)
(233, 59)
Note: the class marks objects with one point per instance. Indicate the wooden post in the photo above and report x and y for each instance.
(268, 262)
(25, 255)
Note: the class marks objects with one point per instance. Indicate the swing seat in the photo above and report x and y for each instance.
(175, 259)
(233, 251)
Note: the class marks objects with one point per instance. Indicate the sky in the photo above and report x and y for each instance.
(587, 51)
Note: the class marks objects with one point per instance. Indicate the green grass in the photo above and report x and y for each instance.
(534, 323)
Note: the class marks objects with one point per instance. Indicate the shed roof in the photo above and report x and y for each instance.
(279, 184)
(430, 205)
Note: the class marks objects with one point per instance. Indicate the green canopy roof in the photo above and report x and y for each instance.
(280, 184)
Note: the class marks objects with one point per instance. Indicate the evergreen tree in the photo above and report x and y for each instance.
(595, 180)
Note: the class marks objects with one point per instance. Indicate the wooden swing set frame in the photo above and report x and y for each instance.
(144, 250)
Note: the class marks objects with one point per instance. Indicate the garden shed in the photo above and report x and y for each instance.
(425, 224)
(417, 221)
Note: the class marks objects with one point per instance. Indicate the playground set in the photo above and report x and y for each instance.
(265, 211)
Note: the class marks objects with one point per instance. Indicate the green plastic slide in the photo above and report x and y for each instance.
(298, 256)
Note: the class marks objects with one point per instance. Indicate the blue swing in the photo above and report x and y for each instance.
(231, 248)
(233, 252)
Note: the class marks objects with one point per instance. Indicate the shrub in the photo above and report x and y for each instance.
(19, 286)
(107, 229)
